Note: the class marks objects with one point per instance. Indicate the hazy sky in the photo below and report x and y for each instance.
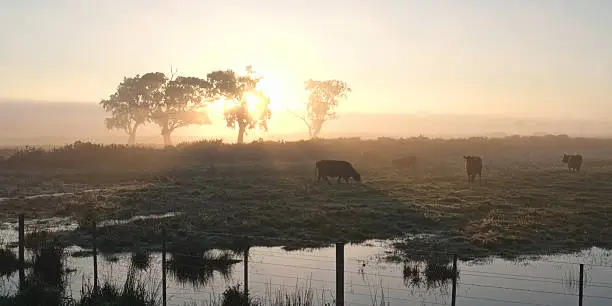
(467, 56)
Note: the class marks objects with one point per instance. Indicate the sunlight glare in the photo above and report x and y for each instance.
(254, 104)
(279, 92)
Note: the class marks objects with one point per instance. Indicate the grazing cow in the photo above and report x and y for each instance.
(473, 166)
(574, 162)
(404, 162)
(336, 168)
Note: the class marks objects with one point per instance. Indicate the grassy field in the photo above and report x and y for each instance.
(528, 202)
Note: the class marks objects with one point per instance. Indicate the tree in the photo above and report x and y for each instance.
(248, 107)
(128, 106)
(177, 102)
(322, 101)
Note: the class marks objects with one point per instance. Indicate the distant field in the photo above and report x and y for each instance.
(528, 203)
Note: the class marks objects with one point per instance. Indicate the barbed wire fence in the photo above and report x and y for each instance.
(185, 274)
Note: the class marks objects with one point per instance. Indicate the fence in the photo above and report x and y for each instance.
(189, 265)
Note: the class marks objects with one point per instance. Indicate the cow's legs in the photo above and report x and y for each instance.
(339, 178)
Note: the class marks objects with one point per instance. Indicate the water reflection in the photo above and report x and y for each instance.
(197, 267)
(196, 274)
(428, 274)
(9, 263)
(141, 260)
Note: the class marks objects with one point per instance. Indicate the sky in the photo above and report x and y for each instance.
(521, 57)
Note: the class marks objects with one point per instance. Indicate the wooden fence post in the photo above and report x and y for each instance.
(21, 251)
(454, 298)
(580, 290)
(95, 254)
(164, 267)
(340, 274)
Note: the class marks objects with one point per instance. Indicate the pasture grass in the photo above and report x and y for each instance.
(528, 202)
(300, 295)
(136, 290)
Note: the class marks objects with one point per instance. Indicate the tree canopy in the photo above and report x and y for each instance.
(323, 98)
(174, 102)
(129, 106)
(246, 107)
(180, 102)
(167, 102)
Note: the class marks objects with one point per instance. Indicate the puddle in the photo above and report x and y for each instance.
(550, 280)
(132, 219)
(9, 230)
(50, 195)
(60, 194)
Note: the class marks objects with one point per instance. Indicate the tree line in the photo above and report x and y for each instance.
(172, 102)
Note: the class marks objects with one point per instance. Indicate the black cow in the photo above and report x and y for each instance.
(574, 162)
(404, 162)
(336, 168)
(473, 166)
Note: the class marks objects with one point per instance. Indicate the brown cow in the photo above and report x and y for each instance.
(473, 166)
(574, 162)
(336, 168)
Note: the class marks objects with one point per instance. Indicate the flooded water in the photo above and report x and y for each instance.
(51, 195)
(9, 230)
(550, 280)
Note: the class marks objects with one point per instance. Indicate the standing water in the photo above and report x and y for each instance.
(369, 279)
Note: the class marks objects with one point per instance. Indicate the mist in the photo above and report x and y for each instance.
(56, 123)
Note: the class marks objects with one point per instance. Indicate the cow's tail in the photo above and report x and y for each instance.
(315, 172)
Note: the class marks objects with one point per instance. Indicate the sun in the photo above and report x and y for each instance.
(279, 88)
(255, 104)
(280, 93)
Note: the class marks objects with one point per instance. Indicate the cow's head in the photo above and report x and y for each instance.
(357, 177)
(566, 158)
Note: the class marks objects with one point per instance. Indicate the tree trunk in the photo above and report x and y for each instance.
(166, 134)
(317, 129)
(132, 134)
(241, 130)
(132, 139)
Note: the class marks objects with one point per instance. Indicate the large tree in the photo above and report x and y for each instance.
(177, 102)
(323, 98)
(246, 107)
(128, 106)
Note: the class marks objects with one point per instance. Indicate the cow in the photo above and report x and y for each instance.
(335, 168)
(404, 162)
(574, 162)
(473, 166)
